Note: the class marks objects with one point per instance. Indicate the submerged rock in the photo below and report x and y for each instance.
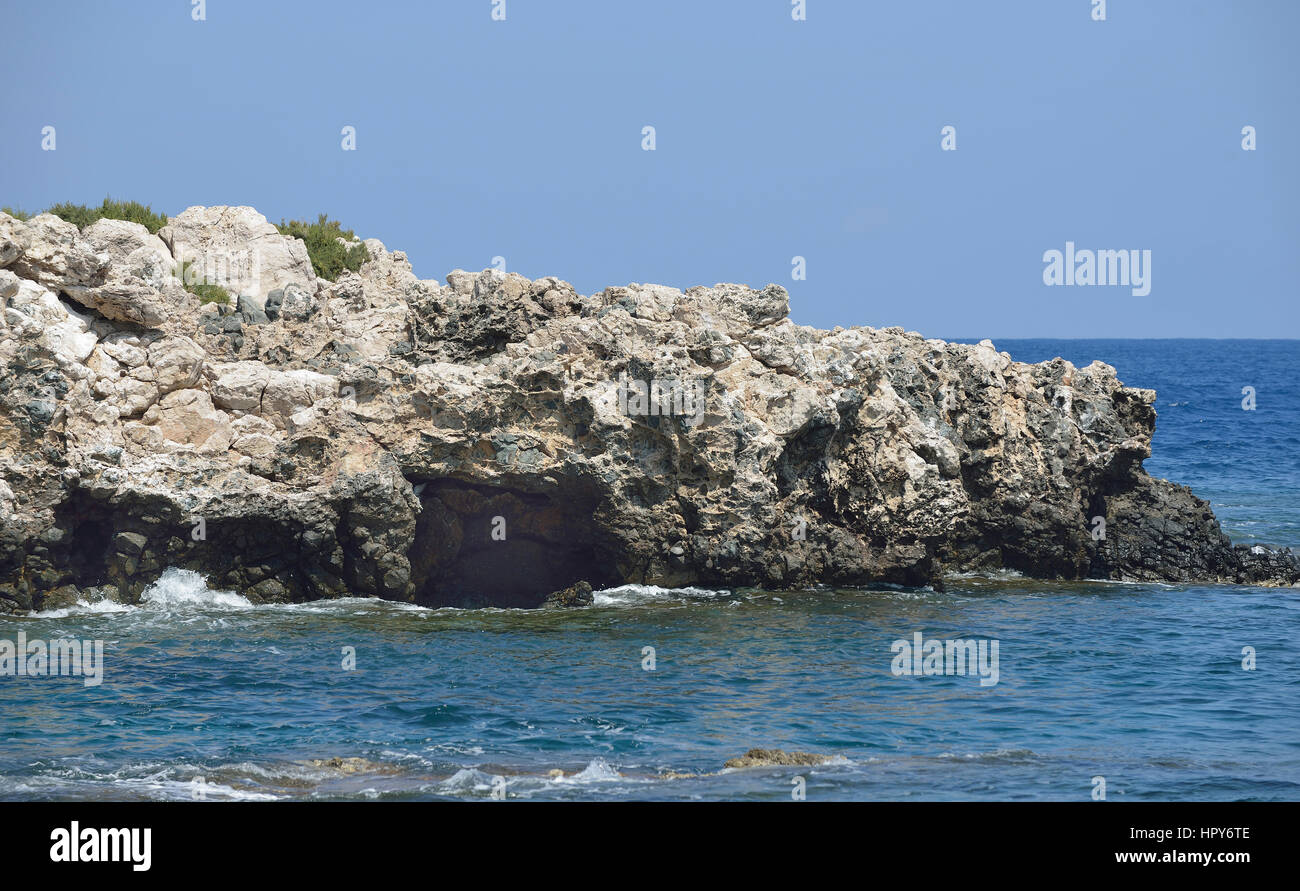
(669, 774)
(777, 758)
(348, 766)
(490, 439)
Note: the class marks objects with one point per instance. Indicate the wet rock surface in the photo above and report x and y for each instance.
(490, 439)
(575, 595)
(776, 758)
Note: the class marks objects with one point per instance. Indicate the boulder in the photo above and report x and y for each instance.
(288, 392)
(252, 313)
(238, 386)
(574, 595)
(35, 314)
(52, 253)
(238, 249)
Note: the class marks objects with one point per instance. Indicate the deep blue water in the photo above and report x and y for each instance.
(1140, 684)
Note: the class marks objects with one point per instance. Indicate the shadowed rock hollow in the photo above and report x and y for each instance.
(469, 442)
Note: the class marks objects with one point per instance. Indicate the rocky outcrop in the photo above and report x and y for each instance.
(493, 439)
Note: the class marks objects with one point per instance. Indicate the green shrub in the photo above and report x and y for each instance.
(78, 215)
(206, 293)
(16, 213)
(82, 216)
(328, 257)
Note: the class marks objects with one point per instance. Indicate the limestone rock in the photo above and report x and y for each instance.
(9, 236)
(36, 315)
(491, 439)
(188, 417)
(177, 363)
(237, 248)
(130, 244)
(288, 392)
(140, 283)
(52, 253)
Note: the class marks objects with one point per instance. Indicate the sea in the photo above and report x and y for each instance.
(1102, 689)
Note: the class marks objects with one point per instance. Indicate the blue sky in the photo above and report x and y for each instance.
(774, 139)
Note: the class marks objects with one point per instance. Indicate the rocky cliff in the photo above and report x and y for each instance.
(490, 439)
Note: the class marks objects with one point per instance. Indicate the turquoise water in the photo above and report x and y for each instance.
(206, 696)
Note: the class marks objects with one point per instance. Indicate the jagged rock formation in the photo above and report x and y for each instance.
(471, 442)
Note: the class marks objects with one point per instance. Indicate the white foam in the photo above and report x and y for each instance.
(357, 606)
(184, 587)
(628, 595)
(995, 755)
(83, 608)
(990, 574)
(598, 771)
(467, 779)
(151, 780)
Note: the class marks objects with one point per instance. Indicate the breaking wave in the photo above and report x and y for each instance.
(184, 587)
(632, 595)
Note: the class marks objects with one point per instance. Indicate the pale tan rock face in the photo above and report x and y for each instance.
(34, 314)
(239, 386)
(177, 363)
(373, 435)
(130, 244)
(239, 249)
(188, 417)
(124, 297)
(289, 392)
(114, 268)
(52, 252)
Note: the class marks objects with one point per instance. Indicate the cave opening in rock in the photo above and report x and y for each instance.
(88, 527)
(478, 546)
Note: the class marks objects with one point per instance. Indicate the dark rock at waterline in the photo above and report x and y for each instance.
(574, 595)
(1159, 531)
(60, 598)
